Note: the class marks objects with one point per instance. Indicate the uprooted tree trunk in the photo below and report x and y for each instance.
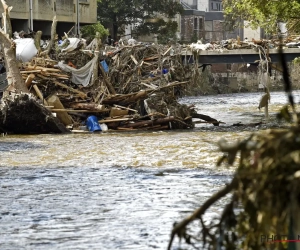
(14, 76)
(6, 24)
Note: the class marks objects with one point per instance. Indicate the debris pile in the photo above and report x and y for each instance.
(91, 87)
(292, 41)
(122, 88)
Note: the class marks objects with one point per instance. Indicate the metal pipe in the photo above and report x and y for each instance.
(31, 15)
(78, 25)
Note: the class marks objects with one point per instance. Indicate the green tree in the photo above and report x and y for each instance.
(118, 13)
(264, 13)
(89, 31)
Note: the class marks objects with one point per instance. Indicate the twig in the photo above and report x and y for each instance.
(201, 210)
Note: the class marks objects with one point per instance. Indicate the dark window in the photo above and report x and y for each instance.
(195, 23)
(200, 24)
(215, 6)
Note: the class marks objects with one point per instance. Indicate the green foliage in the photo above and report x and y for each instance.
(89, 31)
(296, 60)
(264, 13)
(165, 30)
(117, 13)
(167, 33)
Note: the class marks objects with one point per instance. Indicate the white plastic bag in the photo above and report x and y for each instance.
(26, 49)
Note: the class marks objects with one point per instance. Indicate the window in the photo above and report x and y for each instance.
(215, 6)
(200, 24)
(195, 23)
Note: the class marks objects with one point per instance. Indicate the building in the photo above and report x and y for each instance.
(38, 14)
(192, 22)
(204, 19)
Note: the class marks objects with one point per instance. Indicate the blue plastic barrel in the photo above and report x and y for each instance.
(93, 124)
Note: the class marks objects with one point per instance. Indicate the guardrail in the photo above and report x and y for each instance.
(239, 56)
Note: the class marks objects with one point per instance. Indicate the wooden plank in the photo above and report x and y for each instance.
(167, 51)
(29, 68)
(148, 85)
(30, 71)
(150, 58)
(118, 106)
(115, 120)
(29, 80)
(62, 116)
(79, 110)
(40, 95)
(134, 60)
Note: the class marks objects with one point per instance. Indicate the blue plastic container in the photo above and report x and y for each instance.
(93, 124)
(105, 66)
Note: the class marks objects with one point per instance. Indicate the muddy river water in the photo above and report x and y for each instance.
(118, 190)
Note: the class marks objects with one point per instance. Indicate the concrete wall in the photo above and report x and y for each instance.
(44, 10)
(203, 5)
(250, 33)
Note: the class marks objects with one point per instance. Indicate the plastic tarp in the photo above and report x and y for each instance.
(80, 76)
(25, 49)
(73, 44)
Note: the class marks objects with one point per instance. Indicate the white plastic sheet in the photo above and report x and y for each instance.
(73, 44)
(80, 76)
(25, 49)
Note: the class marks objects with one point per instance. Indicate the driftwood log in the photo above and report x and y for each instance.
(53, 37)
(206, 118)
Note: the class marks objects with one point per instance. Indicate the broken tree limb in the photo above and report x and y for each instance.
(81, 94)
(107, 83)
(206, 118)
(37, 40)
(53, 37)
(95, 69)
(180, 227)
(149, 122)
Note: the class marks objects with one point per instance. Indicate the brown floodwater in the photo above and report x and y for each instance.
(118, 190)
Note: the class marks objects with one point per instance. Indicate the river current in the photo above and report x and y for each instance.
(119, 190)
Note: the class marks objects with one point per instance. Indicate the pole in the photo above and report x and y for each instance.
(31, 16)
(78, 25)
